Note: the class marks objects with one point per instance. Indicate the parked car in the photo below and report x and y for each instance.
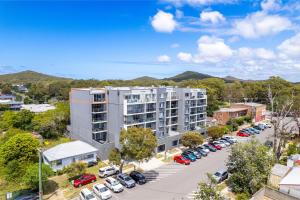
(204, 148)
(262, 126)
(210, 147)
(242, 134)
(201, 151)
(195, 153)
(220, 176)
(249, 131)
(268, 143)
(216, 146)
(86, 194)
(189, 156)
(84, 179)
(267, 125)
(256, 131)
(181, 160)
(126, 180)
(108, 171)
(258, 128)
(102, 191)
(224, 142)
(138, 177)
(28, 196)
(91, 163)
(113, 184)
(228, 140)
(219, 143)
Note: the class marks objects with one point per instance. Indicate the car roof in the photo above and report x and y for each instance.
(86, 191)
(99, 185)
(107, 167)
(111, 179)
(221, 171)
(123, 175)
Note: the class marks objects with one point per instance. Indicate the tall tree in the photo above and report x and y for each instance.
(208, 191)
(215, 132)
(191, 139)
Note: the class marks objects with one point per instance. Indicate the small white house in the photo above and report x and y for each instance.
(65, 154)
(290, 184)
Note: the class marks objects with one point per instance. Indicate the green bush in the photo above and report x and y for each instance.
(247, 119)
(242, 196)
(75, 169)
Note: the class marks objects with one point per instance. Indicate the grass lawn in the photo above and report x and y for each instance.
(48, 143)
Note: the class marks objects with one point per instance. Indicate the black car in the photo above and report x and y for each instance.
(138, 177)
(201, 151)
(210, 147)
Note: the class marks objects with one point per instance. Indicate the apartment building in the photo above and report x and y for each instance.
(99, 114)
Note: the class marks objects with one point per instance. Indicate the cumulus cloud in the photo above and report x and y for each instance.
(179, 14)
(260, 24)
(163, 58)
(290, 48)
(185, 57)
(245, 53)
(163, 22)
(198, 2)
(212, 49)
(268, 5)
(213, 17)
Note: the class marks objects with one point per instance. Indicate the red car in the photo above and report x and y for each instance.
(218, 147)
(242, 134)
(84, 179)
(181, 160)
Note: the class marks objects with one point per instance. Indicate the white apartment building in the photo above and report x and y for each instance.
(99, 114)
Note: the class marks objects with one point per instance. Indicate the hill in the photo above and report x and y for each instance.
(145, 78)
(189, 75)
(30, 77)
(231, 79)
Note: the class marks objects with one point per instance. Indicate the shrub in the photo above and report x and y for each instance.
(242, 196)
(75, 169)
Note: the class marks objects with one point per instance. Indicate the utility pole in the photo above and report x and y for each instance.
(40, 175)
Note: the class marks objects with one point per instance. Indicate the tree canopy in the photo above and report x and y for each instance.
(191, 139)
(216, 132)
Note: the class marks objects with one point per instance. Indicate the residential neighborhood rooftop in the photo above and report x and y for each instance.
(231, 109)
(37, 108)
(293, 178)
(280, 170)
(67, 150)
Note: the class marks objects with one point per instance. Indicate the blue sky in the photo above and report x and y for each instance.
(127, 39)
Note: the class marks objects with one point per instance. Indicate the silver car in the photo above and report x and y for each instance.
(126, 180)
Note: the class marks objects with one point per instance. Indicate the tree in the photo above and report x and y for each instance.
(251, 163)
(31, 176)
(75, 169)
(216, 132)
(208, 191)
(191, 139)
(137, 144)
(21, 147)
(114, 157)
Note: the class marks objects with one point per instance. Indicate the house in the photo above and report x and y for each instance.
(278, 172)
(256, 110)
(10, 102)
(290, 184)
(65, 154)
(99, 114)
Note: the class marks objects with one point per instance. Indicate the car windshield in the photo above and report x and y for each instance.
(90, 196)
(103, 189)
(217, 174)
(140, 175)
(127, 179)
(114, 183)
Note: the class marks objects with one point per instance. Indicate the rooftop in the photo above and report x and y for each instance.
(231, 109)
(37, 108)
(292, 178)
(280, 170)
(250, 104)
(67, 150)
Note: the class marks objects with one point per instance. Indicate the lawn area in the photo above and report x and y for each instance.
(48, 143)
(9, 187)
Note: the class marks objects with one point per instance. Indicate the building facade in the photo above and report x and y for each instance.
(98, 115)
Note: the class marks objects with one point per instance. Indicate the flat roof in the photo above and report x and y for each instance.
(280, 170)
(293, 178)
(250, 104)
(231, 109)
(67, 150)
(37, 108)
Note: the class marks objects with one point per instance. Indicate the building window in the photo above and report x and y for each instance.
(89, 156)
(161, 148)
(174, 143)
(187, 94)
(99, 97)
(58, 162)
(100, 137)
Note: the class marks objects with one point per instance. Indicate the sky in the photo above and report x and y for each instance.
(120, 39)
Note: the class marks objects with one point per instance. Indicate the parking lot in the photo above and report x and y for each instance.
(178, 182)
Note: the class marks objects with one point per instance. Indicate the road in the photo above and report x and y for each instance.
(178, 182)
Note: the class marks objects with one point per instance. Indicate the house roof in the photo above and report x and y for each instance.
(280, 170)
(292, 178)
(231, 109)
(67, 150)
(37, 108)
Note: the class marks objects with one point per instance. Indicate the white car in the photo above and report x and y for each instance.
(86, 194)
(231, 138)
(108, 171)
(102, 191)
(225, 142)
(205, 149)
(267, 125)
(219, 143)
(113, 184)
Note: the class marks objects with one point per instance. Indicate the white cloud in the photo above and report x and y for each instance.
(260, 24)
(268, 5)
(245, 53)
(198, 2)
(212, 49)
(175, 45)
(163, 58)
(290, 48)
(186, 57)
(179, 14)
(163, 22)
(213, 17)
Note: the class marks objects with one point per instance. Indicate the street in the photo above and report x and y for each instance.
(178, 182)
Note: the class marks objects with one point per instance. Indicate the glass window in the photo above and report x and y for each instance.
(175, 143)
(99, 97)
(100, 137)
(161, 148)
(59, 162)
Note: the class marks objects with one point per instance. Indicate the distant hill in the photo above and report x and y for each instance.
(30, 77)
(145, 78)
(231, 78)
(189, 75)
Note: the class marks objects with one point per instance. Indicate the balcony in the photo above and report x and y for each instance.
(98, 108)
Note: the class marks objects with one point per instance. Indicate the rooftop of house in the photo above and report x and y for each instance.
(280, 170)
(231, 109)
(37, 108)
(252, 104)
(67, 150)
(292, 178)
